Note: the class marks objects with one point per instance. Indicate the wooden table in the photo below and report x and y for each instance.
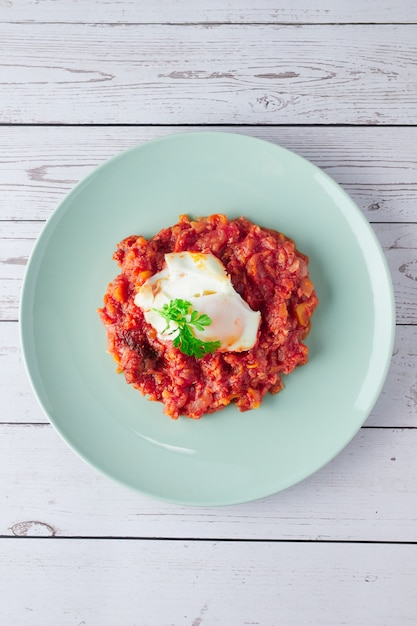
(334, 81)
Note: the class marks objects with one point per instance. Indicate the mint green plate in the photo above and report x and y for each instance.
(228, 457)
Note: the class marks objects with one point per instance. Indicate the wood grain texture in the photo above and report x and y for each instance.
(400, 245)
(16, 243)
(208, 74)
(18, 401)
(397, 404)
(377, 166)
(298, 558)
(367, 493)
(399, 242)
(190, 11)
(144, 583)
(396, 407)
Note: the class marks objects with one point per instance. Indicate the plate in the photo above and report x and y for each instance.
(228, 457)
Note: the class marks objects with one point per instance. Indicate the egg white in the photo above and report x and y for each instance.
(202, 280)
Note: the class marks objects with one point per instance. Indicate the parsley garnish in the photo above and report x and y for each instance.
(181, 312)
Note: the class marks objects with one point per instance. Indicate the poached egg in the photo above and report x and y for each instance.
(202, 280)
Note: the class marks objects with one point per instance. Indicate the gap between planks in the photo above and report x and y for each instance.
(211, 539)
(200, 125)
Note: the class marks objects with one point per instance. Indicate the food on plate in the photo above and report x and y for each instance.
(209, 312)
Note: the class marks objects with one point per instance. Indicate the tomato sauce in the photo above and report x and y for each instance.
(266, 269)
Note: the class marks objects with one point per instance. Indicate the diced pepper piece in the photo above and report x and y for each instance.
(120, 292)
(302, 313)
(306, 287)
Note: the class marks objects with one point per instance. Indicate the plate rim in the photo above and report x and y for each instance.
(61, 209)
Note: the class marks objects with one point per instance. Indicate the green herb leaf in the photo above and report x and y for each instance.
(177, 311)
(199, 321)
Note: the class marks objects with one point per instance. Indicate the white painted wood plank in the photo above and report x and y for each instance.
(400, 247)
(377, 166)
(397, 404)
(144, 583)
(396, 407)
(18, 402)
(16, 243)
(399, 242)
(368, 493)
(199, 74)
(189, 11)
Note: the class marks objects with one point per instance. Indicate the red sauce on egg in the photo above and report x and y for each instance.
(265, 268)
